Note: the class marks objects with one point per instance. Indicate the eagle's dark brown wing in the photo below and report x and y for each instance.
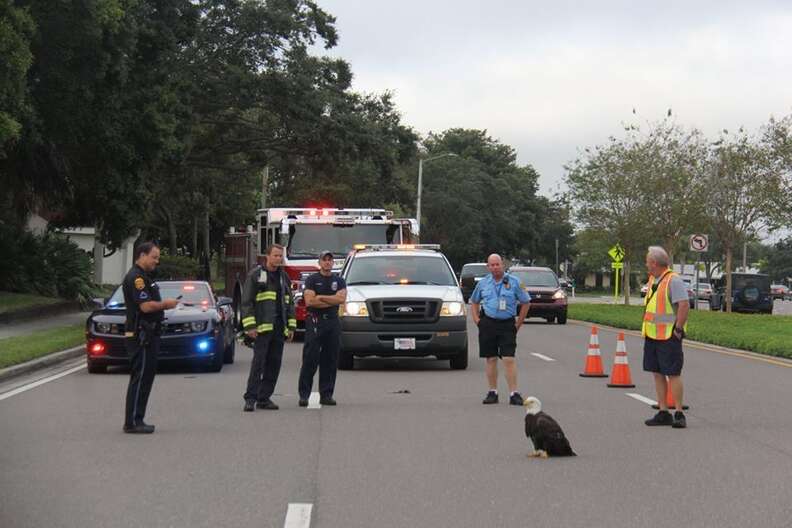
(548, 434)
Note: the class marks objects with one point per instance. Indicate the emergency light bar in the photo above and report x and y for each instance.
(385, 247)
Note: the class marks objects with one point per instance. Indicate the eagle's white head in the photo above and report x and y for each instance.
(532, 405)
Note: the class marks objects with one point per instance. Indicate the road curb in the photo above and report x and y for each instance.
(40, 363)
(774, 360)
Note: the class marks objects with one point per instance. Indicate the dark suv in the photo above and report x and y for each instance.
(469, 277)
(548, 298)
(750, 293)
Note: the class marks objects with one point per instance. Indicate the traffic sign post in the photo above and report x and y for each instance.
(616, 254)
(700, 244)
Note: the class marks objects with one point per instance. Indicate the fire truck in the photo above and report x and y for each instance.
(304, 232)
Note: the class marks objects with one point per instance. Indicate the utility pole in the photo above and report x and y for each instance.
(558, 270)
(264, 187)
(745, 257)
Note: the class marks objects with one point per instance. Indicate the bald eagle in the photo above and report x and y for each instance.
(545, 433)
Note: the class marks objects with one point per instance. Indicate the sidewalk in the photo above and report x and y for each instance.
(29, 326)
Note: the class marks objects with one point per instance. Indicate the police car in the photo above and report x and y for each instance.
(402, 301)
(199, 330)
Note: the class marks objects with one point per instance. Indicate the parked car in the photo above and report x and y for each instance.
(779, 291)
(470, 275)
(199, 330)
(548, 298)
(704, 290)
(750, 293)
(402, 301)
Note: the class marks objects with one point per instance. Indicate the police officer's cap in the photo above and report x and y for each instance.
(325, 253)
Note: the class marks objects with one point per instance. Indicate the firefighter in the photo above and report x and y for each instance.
(324, 292)
(144, 313)
(268, 318)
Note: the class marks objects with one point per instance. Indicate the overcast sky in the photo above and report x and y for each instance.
(549, 78)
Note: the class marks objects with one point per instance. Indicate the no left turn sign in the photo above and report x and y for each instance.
(699, 243)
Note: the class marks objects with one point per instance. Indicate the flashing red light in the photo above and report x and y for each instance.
(325, 212)
(188, 287)
(96, 348)
(312, 212)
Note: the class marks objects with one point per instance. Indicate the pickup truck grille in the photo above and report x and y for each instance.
(404, 310)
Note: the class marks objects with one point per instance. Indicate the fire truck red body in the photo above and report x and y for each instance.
(305, 232)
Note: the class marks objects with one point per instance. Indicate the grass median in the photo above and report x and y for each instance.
(18, 349)
(765, 334)
(11, 302)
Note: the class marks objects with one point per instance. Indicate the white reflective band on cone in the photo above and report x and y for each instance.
(620, 360)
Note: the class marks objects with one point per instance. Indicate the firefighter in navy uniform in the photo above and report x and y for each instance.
(324, 292)
(144, 314)
(268, 318)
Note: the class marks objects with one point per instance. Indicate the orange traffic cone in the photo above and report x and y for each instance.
(621, 368)
(593, 368)
(670, 402)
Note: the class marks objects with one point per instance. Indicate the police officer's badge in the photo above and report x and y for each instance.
(140, 283)
(334, 286)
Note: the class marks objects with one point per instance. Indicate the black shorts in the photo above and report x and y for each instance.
(497, 337)
(664, 357)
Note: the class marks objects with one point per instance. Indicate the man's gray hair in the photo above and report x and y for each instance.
(659, 256)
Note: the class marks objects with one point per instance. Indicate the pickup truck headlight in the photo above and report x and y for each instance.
(355, 309)
(559, 294)
(451, 309)
(198, 326)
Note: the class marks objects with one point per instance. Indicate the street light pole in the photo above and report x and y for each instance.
(420, 183)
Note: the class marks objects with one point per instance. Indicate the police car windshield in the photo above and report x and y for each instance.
(307, 240)
(191, 292)
(542, 278)
(407, 269)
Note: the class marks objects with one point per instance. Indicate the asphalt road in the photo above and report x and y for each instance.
(433, 457)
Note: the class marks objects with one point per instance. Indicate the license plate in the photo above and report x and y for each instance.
(404, 343)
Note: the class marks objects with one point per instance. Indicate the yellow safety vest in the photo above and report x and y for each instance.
(659, 316)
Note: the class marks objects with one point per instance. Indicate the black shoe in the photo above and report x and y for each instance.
(327, 400)
(268, 405)
(516, 399)
(661, 418)
(492, 397)
(303, 402)
(679, 420)
(140, 428)
(250, 406)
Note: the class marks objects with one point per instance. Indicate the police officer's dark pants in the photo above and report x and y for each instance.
(143, 367)
(322, 341)
(264, 371)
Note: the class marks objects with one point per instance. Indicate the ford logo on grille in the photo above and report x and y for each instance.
(404, 309)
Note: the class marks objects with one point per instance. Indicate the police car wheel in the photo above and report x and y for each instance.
(229, 353)
(346, 361)
(93, 368)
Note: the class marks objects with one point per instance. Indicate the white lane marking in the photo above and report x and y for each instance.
(542, 356)
(298, 515)
(40, 382)
(313, 401)
(640, 398)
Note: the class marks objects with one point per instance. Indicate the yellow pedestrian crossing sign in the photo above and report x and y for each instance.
(616, 253)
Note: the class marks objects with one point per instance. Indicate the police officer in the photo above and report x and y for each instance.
(144, 314)
(268, 318)
(493, 306)
(324, 292)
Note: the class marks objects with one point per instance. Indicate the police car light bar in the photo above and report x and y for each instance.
(380, 247)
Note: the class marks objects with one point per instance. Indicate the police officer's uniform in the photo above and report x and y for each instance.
(499, 301)
(322, 338)
(142, 341)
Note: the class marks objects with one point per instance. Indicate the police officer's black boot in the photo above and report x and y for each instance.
(250, 405)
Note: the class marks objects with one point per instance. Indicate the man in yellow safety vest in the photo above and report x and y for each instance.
(664, 324)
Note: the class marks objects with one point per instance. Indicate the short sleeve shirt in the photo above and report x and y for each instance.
(489, 293)
(676, 289)
(322, 285)
(138, 289)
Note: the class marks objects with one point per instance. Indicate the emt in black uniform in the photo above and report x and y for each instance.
(144, 314)
(324, 292)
